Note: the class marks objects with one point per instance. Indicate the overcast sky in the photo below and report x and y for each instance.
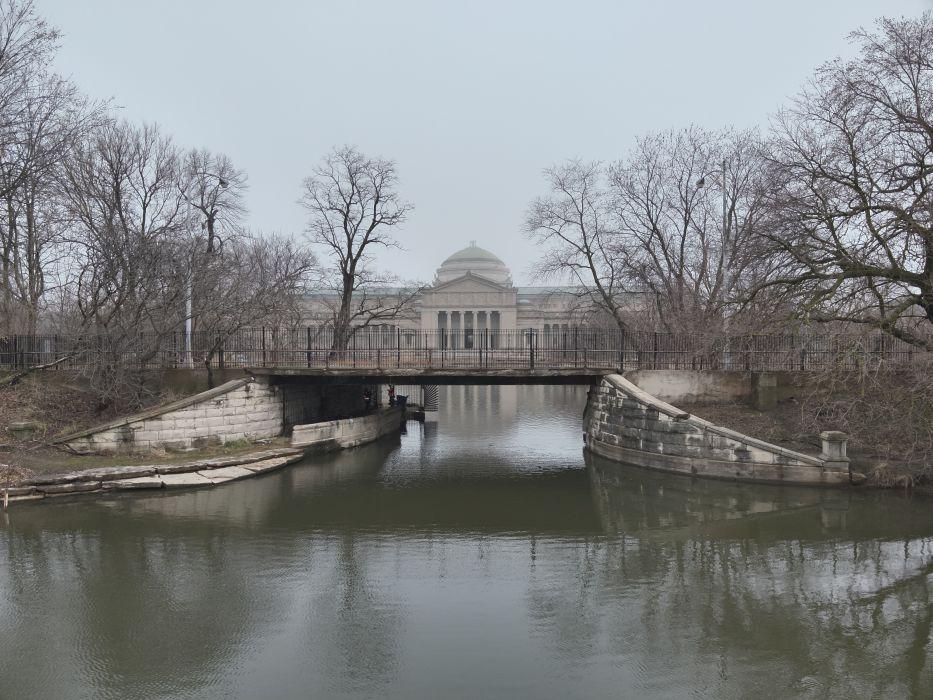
(472, 99)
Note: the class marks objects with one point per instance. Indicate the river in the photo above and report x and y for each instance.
(483, 556)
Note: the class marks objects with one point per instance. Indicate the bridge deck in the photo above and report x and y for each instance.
(436, 375)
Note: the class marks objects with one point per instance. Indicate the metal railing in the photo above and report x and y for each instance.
(387, 348)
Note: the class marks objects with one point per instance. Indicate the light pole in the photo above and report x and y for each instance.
(725, 259)
(701, 183)
(189, 356)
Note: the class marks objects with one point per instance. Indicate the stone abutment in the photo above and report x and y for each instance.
(626, 424)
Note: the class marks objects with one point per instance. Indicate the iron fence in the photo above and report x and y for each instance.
(387, 347)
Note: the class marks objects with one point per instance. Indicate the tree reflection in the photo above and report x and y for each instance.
(801, 590)
(394, 568)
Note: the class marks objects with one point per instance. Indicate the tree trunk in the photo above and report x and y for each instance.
(342, 321)
(210, 368)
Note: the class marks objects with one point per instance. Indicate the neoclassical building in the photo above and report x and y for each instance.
(472, 293)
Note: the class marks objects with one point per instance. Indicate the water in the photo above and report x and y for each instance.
(480, 557)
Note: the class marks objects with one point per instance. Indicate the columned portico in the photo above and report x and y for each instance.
(473, 298)
(465, 328)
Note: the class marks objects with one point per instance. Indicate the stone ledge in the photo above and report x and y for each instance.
(717, 469)
(643, 397)
(206, 472)
(104, 474)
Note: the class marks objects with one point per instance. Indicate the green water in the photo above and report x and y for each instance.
(480, 557)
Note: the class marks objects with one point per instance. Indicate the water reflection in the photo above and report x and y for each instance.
(483, 556)
(820, 592)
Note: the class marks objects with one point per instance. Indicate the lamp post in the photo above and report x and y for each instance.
(725, 257)
(189, 357)
(701, 183)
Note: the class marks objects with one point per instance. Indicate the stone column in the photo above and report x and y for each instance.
(482, 321)
(455, 326)
(469, 321)
(834, 449)
(442, 322)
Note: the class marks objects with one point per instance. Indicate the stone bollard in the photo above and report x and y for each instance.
(834, 449)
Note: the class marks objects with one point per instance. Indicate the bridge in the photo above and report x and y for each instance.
(578, 355)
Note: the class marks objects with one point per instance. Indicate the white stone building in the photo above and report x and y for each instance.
(472, 296)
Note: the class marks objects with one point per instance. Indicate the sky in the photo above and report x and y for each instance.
(471, 99)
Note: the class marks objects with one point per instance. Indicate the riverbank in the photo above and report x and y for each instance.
(788, 424)
(133, 477)
(90, 474)
(53, 404)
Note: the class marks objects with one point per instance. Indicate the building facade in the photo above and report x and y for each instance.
(472, 296)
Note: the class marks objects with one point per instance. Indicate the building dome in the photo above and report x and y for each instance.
(473, 259)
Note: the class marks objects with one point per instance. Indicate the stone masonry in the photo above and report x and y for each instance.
(246, 408)
(626, 424)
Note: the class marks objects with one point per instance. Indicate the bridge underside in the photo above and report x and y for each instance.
(575, 375)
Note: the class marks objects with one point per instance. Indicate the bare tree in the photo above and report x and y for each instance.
(353, 207)
(27, 45)
(129, 237)
(252, 280)
(576, 226)
(214, 188)
(40, 117)
(54, 120)
(687, 209)
(851, 167)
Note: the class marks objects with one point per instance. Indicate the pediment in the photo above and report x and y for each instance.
(471, 282)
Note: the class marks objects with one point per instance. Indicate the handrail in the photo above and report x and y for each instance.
(401, 348)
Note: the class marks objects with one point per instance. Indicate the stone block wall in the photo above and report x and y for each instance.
(624, 423)
(349, 432)
(241, 409)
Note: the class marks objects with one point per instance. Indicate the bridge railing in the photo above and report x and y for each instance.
(386, 348)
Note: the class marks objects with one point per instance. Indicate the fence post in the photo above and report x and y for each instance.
(486, 345)
(622, 350)
(308, 346)
(263, 346)
(220, 353)
(398, 346)
(655, 350)
(531, 348)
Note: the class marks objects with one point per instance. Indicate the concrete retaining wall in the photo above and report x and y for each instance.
(694, 386)
(760, 389)
(245, 408)
(349, 432)
(627, 424)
